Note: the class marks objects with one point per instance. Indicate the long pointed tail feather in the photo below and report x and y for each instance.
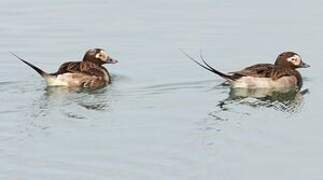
(41, 72)
(206, 66)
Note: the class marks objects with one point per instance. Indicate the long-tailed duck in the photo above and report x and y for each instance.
(278, 76)
(88, 73)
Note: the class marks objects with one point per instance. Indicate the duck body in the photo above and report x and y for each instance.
(280, 76)
(80, 74)
(266, 76)
(88, 73)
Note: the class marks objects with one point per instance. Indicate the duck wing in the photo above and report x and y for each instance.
(69, 67)
(264, 71)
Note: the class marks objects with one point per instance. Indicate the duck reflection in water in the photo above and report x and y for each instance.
(289, 100)
(89, 99)
(71, 102)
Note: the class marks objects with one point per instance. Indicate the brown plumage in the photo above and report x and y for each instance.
(88, 73)
(282, 74)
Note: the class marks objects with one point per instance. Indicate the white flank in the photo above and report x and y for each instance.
(254, 83)
(73, 79)
(66, 79)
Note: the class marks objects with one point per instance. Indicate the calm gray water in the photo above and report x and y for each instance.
(163, 117)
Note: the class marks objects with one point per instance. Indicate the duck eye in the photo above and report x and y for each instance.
(295, 61)
(98, 56)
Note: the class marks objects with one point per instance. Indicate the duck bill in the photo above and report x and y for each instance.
(112, 61)
(304, 65)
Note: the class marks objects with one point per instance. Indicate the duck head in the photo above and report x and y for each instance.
(98, 56)
(291, 60)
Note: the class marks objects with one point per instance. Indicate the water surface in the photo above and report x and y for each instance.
(163, 117)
